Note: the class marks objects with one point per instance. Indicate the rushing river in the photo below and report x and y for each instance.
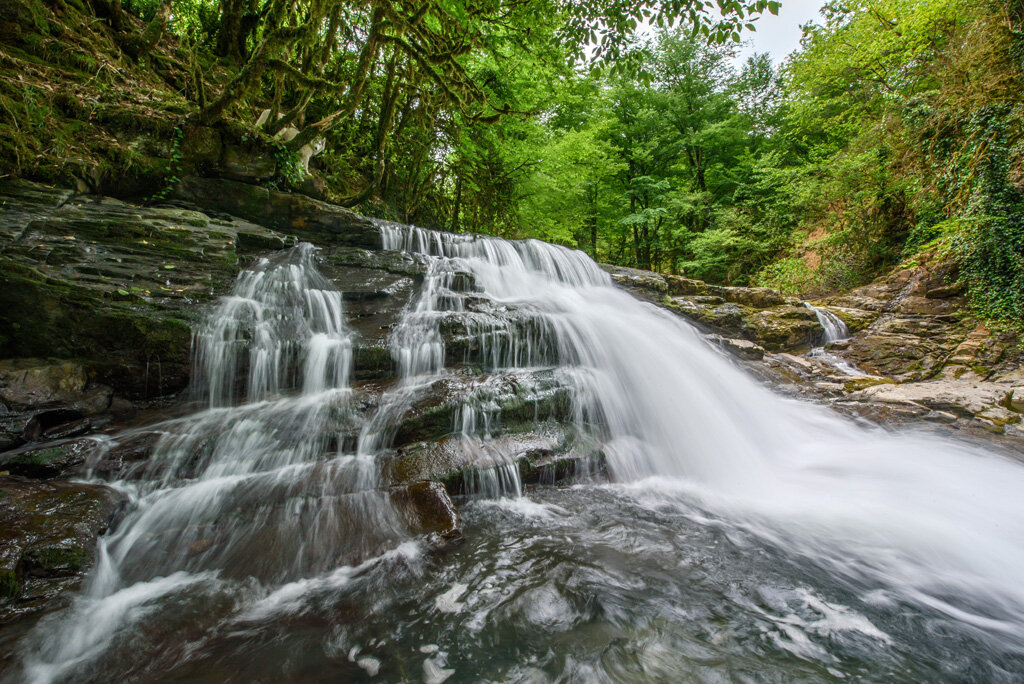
(744, 536)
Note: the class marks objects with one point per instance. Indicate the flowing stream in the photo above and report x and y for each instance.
(742, 536)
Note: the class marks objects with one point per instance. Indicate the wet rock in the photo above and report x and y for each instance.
(109, 288)
(35, 382)
(563, 466)
(978, 351)
(371, 362)
(513, 401)
(429, 509)
(388, 261)
(964, 399)
(646, 284)
(685, 287)
(47, 540)
(996, 418)
(1015, 400)
(756, 297)
(903, 348)
(855, 319)
(49, 460)
(54, 424)
(857, 384)
(726, 317)
(118, 458)
(782, 327)
(202, 146)
(943, 417)
(305, 217)
(798, 362)
(742, 348)
(247, 164)
(11, 426)
(947, 291)
(547, 454)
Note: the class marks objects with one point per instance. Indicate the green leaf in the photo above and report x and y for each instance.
(169, 267)
(123, 293)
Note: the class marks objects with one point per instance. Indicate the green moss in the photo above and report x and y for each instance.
(57, 559)
(36, 459)
(10, 585)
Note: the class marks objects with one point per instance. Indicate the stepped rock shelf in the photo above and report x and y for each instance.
(122, 329)
(98, 302)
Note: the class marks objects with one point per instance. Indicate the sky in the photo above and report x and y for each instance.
(780, 35)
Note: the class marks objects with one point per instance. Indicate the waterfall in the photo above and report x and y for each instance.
(835, 329)
(258, 486)
(931, 518)
(262, 494)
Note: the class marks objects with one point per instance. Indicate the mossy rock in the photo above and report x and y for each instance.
(48, 461)
(54, 561)
(10, 585)
(857, 384)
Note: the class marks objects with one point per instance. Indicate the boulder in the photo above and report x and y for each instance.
(250, 164)
(298, 215)
(756, 297)
(679, 286)
(855, 319)
(1015, 400)
(428, 509)
(782, 327)
(48, 536)
(964, 399)
(545, 455)
(645, 284)
(49, 460)
(35, 382)
(744, 349)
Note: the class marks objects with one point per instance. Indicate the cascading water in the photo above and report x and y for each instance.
(832, 325)
(834, 330)
(929, 519)
(747, 536)
(258, 487)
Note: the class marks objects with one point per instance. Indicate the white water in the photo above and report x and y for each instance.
(256, 489)
(937, 522)
(256, 486)
(835, 330)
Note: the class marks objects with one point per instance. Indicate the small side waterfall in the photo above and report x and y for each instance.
(835, 329)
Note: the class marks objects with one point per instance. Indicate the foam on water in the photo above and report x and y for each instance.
(257, 491)
(936, 519)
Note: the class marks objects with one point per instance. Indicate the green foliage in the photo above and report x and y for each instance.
(897, 126)
(174, 164)
(788, 275)
(10, 585)
(289, 172)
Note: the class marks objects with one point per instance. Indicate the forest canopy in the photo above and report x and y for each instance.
(632, 130)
